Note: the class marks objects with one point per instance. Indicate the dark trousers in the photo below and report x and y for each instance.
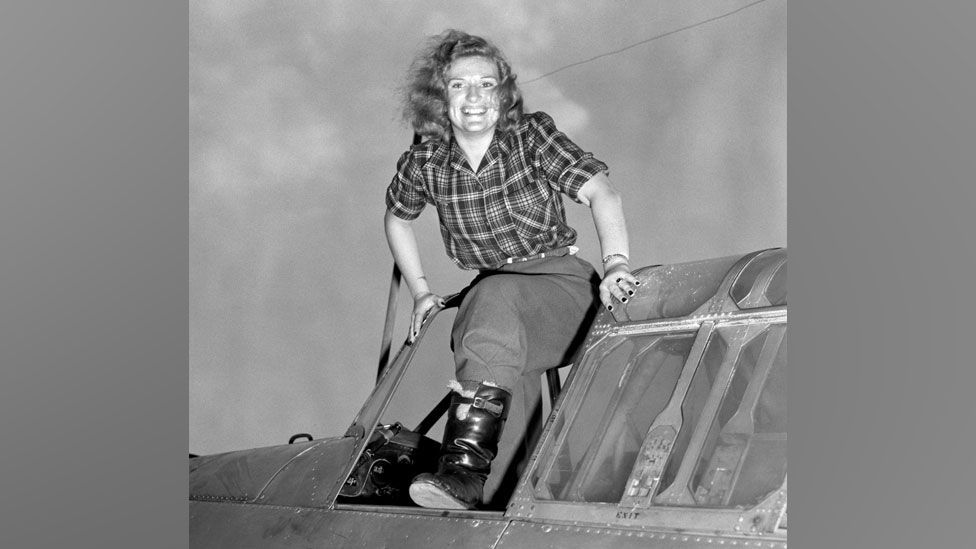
(513, 323)
(523, 318)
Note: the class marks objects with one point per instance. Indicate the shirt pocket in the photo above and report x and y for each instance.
(523, 196)
(529, 205)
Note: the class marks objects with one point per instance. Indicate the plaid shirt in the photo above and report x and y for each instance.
(511, 207)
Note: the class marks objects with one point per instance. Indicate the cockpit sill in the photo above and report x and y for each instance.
(776, 313)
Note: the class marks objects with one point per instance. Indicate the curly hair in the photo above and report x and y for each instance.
(425, 93)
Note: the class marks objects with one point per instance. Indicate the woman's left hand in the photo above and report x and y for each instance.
(617, 286)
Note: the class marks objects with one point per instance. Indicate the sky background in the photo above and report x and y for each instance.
(295, 132)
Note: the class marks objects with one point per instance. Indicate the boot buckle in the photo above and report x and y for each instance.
(491, 407)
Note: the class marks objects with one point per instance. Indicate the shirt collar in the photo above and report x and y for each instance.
(453, 155)
(441, 154)
(456, 156)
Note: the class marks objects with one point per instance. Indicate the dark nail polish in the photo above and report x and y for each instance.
(630, 292)
(637, 283)
(624, 300)
(610, 307)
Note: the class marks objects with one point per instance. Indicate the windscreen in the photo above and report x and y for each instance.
(630, 388)
(727, 420)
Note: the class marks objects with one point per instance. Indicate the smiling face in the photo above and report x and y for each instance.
(472, 96)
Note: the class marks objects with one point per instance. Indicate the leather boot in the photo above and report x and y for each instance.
(470, 444)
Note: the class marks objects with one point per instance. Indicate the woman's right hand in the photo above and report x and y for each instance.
(423, 304)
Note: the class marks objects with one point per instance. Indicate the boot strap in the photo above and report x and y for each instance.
(480, 402)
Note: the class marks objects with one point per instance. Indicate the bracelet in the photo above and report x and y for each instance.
(611, 256)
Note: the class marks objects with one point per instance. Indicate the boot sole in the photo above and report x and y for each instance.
(428, 495)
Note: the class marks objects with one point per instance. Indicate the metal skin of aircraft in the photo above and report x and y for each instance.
(670, 432)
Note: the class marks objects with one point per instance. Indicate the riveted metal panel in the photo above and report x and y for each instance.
(243, 526)
(291, 474)
(555, 536)
(312, 478)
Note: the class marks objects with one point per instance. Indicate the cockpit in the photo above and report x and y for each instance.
(674, 411)
(672, 416)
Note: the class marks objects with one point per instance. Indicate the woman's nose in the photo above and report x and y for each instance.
(473, 93)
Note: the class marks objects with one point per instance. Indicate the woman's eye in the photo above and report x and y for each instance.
(487, 84)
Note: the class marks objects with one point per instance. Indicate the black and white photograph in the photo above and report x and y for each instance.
(487, 274)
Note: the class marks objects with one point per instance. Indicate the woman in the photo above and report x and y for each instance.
(496, 176)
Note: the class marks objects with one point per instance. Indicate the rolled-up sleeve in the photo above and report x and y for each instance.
(406, 195)
(566, 165)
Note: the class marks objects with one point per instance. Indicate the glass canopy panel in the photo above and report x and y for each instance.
(744, 456)
(694, 403)
(635, 380)
(776, 292)
(425, 381)
(763, 282)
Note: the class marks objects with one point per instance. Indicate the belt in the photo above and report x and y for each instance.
(557, 252)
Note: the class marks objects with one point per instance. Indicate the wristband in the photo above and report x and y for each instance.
(611, 256)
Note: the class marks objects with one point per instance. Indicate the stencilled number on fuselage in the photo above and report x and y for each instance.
(630, 515)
